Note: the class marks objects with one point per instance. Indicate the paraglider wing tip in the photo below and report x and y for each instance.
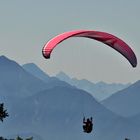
(134, 64)
(46, 55)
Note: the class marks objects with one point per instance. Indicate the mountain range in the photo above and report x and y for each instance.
(53, 109)
(100, 90)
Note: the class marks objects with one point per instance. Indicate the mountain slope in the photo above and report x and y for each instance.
(37, 72)
(15, 81)
(57, 113)
(125, 102)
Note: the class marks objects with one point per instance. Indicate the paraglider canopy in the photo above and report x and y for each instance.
(106, 38)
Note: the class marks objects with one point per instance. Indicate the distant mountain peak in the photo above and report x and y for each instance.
(62, 76)
(30, 64)
(5, 61)
(36, 71)
(61, 73)
(101, 83)
(32, 67)
(4, 58)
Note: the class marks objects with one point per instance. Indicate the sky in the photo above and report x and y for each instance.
(25, 26)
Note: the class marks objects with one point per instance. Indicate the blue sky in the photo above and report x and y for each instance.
(25, 26)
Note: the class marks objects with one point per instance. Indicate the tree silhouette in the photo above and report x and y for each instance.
(126, 139)
(19, 138)
(3, 112)
(1, 138)
(31, 138)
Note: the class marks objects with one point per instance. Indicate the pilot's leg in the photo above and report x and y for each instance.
(84, 128)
